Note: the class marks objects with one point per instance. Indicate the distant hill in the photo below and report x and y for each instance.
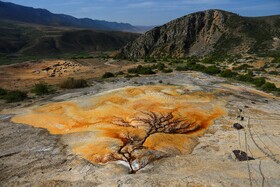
(28, 39)
(10, 11)
(208, 32)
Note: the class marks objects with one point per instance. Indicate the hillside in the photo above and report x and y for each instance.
(211, 31)
(10, 11)
(30, 39)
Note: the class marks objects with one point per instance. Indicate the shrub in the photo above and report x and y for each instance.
(276, 60)
(72, 83)
(131, 76)
(228, 73)
(119, 73)
(208, 60)
(167, 70)
(15, 96)
(160, 66)
(273, 73)
(191, 66)
(182, 68)
(107, 75)
(2, 92)
(268, 86)
(150, 60)
(42, 89)
(212, 70)
(245, 78)
(197, 67)
(242, 67)
(145, 70)
(259, 81)
(176, 61)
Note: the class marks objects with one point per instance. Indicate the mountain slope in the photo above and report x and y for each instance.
(202, 33)
(41, 40)
(10, 11)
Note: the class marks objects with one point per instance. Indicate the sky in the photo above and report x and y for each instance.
(150, 12)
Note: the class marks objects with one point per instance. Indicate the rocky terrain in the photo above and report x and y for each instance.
(202, 33)
(34, 156)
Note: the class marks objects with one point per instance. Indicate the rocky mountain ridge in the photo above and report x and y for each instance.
(205, 32)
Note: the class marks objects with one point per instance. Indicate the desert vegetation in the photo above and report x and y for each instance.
(15, 96)
(72, 83)
(42, 89)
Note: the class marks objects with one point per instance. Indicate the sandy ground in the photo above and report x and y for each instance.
(24, 75)
(33, 156)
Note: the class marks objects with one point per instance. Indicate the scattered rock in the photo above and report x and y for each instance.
(238, 126)
(241, 155)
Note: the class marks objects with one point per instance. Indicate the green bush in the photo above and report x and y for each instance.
(72, 83)
(197, 67)
(245, 78)
(274, 73)
(259, 81)
(208, 60)
(2, 92)
(242, 67)
(176, 61)
(150, 60)
(228, 73)
(107, 75)
(182, 68)
(160, 66)
(268, 86)
(144, 70)
(42, 89)
(15, 96)
(191, 66)
(276, 60)
(212, 70)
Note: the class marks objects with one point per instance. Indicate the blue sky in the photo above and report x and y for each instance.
(150, 12)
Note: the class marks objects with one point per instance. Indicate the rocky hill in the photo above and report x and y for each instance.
(210, 31)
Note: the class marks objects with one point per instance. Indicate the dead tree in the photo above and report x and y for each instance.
(133, 146)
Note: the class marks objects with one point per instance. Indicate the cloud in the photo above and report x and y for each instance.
(142, 5)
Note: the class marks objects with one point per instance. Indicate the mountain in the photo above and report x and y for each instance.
(10, 11)
(29, 39)
(208, 32)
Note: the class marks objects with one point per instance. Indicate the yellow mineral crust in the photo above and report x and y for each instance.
(97, 127)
